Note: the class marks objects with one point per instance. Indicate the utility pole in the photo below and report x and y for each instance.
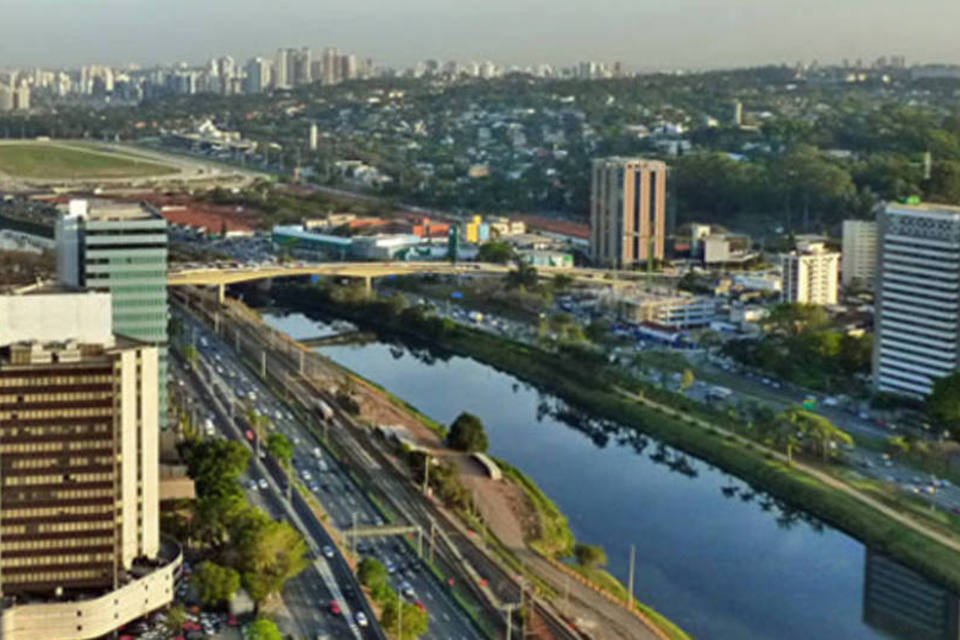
(426, 473)
(630, 580)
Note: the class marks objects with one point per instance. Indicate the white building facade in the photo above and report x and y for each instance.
(917, 321)
(811, 275)
(859, 264)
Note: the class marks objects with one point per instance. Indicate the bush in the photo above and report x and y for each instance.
(590, 556)
(467, 434)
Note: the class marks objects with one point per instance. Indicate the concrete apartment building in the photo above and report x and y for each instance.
(80, 551)
(858, 266)
(121, 249)
(917, 321)
(811, 274)
(628, 203)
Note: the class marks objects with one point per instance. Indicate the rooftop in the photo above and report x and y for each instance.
(924, 207)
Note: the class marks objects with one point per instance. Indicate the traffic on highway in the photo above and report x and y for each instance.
(228, 388)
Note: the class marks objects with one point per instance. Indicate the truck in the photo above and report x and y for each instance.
(323, 410)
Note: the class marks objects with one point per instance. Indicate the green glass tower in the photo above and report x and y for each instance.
(121, 249)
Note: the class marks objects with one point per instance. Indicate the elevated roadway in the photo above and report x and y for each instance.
(223, 276)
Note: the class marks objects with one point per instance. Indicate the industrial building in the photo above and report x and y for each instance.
(122, 249)
(917, 321)
(81, 553)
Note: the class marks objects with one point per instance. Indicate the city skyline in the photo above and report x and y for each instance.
(704, 34)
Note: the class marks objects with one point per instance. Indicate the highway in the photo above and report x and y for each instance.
(308, 596)
(333, 487)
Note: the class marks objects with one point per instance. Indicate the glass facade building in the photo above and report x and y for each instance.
(121, 249)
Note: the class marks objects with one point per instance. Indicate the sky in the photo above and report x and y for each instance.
(643, 34)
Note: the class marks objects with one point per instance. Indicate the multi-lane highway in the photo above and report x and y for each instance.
(226, 381)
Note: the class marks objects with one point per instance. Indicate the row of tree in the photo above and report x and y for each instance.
(244, 546)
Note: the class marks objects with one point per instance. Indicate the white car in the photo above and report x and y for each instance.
(328, 551)
(361, 619)
(262, 483)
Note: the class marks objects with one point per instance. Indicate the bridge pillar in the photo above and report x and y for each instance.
(221, 293)
(263, 364)
(368, 283)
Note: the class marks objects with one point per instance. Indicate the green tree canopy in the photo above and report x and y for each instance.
(467, 434)
(280, 448)
(414, 622)
(495, 251)
(943, 403)
(216, 585)
(590, 556)
(263, 629)
(267, 554)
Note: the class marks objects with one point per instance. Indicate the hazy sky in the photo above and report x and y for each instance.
(646, 34)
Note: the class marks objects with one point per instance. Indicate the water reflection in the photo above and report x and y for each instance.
(904, 604)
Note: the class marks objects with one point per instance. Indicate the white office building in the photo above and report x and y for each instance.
(918, 297)
(858, 267)
(811, 274)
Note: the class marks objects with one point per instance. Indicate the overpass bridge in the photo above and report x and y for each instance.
(221, 277)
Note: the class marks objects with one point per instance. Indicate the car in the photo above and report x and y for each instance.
(419, 604)
(334, 608)
(407, 590)
(262, 483)
(328, 551)
(252, 485)
(361, 619)
(391, 567)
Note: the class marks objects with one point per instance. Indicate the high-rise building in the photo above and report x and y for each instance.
(280, 67)
(121, 249)
(811, 274)
(331, 65)
(300, 69)
(917, 320)
(258, 75)
(81, 553)
(628, 204)
(858, 267)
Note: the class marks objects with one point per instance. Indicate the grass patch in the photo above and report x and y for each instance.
(555, 537)
(41, 160)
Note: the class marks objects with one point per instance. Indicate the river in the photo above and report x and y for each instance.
(712, 554)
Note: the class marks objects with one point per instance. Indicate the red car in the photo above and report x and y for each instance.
(334, 607)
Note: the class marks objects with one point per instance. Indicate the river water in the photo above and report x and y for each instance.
(717, 557)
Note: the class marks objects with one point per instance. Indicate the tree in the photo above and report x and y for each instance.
(280, 447)
(467, 434)
(413, 621)
(176, 616)
(524, 276)
(687, 380)
(943, 403)
(216, 585)
(495, 251)
(263, 629)
(795, 425)
(267, 553)
(590, 556)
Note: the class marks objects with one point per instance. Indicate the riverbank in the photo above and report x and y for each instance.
(582, 380)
